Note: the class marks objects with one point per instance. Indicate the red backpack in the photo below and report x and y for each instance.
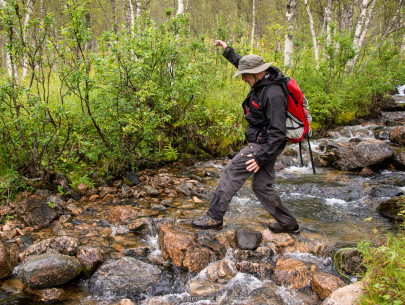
(298, 117)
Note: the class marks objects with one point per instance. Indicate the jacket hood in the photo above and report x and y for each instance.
(274, 76)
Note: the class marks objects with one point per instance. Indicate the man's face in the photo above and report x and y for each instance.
(249, 79)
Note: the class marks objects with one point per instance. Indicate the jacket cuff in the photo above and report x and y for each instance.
(227, 51)
(258, 160)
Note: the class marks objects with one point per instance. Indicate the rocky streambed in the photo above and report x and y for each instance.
(129, 240)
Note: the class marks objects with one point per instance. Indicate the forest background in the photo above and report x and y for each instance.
(96, 88)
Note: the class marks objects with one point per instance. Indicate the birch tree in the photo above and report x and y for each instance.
(131, 17)
(252, 41)
(288, 43)
(137, 8)
(328, 20)
(180, 9)
(313, 33)
(11, 67)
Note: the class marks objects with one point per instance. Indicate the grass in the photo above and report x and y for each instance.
(385, 276)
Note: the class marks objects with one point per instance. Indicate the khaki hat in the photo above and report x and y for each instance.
(252, 64)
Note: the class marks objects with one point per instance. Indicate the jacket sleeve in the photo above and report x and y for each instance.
(232, 56)
(276, 113)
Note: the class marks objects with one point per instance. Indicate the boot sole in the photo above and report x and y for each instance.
(217, 228)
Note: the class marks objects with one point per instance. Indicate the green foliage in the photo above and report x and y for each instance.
(51, 204)
(385, 277)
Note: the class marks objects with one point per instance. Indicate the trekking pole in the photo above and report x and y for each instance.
(302, 161)
(310, 153)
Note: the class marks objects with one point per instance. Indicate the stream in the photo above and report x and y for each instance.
(336, 207)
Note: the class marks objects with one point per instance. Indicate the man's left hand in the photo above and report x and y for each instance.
(252, 165)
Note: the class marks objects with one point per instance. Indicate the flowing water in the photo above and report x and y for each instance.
(335, 206)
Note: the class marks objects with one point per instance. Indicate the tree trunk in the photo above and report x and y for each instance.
(42, 5)
(137, 8)
(359, 26)
(288, 44)
(114, 15)
(11, 69)
(328, 20)
(312, 27)
(131, 18)
(252, 40)
(180, 9)
(25, 33)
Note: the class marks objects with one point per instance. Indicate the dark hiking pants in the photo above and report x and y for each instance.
(235, 175)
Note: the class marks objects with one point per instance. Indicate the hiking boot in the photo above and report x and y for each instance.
(277, 228)
(207, 222)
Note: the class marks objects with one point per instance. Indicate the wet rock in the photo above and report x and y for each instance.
(12, 285)
(121, 215)
(399, 160)
(49, 295)
(324, 284)
(397, 135)
(158, 207)
(57, 201)
(227, 239)
(278, 240)
(150, 190)
(221, 271)
(5, 264)
(349, 260)
(140, 225)
(182, 248)
(394, 103)
(260, 269)
(203, 287)
(248, 240)
(293, 273)
(126, 191)
(82, 188)
(347, 295)
(63, 244)
(43, 194)
(48, 270)
(126, 302)
(391, 207)
(132, 177)
(306, 246)
(35, 212)
(139, 252)
(125, 277)
(264, 296)
(355, 156)
(90, 258)
(104, 191)
(183, 189)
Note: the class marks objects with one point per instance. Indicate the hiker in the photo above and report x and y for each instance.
(265, 111)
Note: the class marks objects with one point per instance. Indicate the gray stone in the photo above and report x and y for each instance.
(150, 190)
(132, 177)
(64, 245)
(48, 270)
(107, 190)
(354, 156)
(125, 277)
(35, 212)
(248, 240)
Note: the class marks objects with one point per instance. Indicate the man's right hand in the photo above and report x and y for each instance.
(220, 43)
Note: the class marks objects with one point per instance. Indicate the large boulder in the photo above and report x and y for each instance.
(48, 270)
(395, 103)
(248, 240)
(221, 271)
(90, 258)
(121, 215)
(35, 212)
(125, 277)
(355, 156)
(183, 249)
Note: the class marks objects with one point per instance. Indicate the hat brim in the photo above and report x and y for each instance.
(258, 69)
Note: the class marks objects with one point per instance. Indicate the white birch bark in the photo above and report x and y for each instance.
(313, 33)
(131, 18)
(288, 42)
(360, 22)
(25, 33)
(328, 19)
(180, 9)
(11, 68)
(403, 47)
(252, 39)
(137, 8)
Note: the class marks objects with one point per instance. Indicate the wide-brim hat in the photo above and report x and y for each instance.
(252, 64)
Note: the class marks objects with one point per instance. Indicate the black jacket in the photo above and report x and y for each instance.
(265, 111)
